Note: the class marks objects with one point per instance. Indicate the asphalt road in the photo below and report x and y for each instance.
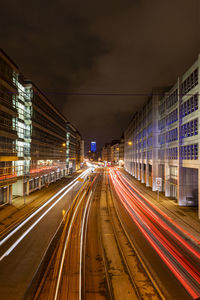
(21, 254)
(169, 284)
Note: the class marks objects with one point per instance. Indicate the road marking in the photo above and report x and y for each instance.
(40, 208)
(35, 223)
(65, 247)
(81, 244)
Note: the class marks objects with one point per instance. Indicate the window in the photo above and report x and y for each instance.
(162, 108)
(189, 82)
(196, 151)
(161, 124)
(149, 129)
(161, 139)
(161, 154)
(149, 142)
(189, 129)
(172, 153)
(172, 99)
(172, 117)
(189, 152)
(149, 154)
(172, 135)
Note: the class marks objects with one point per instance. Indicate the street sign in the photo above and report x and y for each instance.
(158, 182)
(158, 185)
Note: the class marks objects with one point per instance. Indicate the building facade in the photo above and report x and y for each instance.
(34, 138)
(121, 151)
(115, 153)
(111, 152)
(41, 143)
(8, 126)
(106, 153)
(162, 140)
(74, 149)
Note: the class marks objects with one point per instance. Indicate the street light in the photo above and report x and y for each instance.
(130, 143)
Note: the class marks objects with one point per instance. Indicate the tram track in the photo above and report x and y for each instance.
(64, 276)
(138, 276)
(95, 258)
(172, 250)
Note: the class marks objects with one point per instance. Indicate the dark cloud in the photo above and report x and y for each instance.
(100, 46)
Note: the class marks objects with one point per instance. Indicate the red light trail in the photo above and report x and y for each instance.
(164, 235)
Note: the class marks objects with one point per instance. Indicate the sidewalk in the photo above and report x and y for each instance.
(10, 215)
(186, 217)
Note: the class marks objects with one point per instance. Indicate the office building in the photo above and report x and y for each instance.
(121, 151)
(36, 146)
(41, 143)
(93, 146)
(74, 149)
(162, 139)
(115, 153)
(8, 126)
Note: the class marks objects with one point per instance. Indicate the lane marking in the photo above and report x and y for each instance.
(81, 244)
(34, 224)
(40, 208)
(65, 247)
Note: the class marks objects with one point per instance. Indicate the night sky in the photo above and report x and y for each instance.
(100, 48)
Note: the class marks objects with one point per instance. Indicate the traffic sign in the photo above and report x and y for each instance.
(158, 182)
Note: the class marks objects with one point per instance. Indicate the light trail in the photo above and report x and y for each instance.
(158, 210)
(81, 244)
(8, 236)
(142, 205)
(178, 254)
(14, 245)
(65, 247)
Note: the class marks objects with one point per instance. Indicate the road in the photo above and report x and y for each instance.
(23, 249)
(171, 257)
(94, 258)
(114, 244)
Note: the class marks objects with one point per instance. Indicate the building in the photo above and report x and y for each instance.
(78, 150)
(162, 139)
(74, 149)
(41, 143)
(93, 147)
(8, 126)
(82, 152)
(36, 146)
(106, 153)
(121, 151)
(141, 141)
(115, 153)
(110, 152)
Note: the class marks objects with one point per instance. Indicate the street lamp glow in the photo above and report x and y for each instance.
(130, 143)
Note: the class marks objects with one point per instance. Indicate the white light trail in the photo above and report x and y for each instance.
(65, 246)
(71, 185)
(41, 207)
(81, 244)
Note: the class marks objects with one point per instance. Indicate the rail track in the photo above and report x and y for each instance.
(95, 258)
(143, 286)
